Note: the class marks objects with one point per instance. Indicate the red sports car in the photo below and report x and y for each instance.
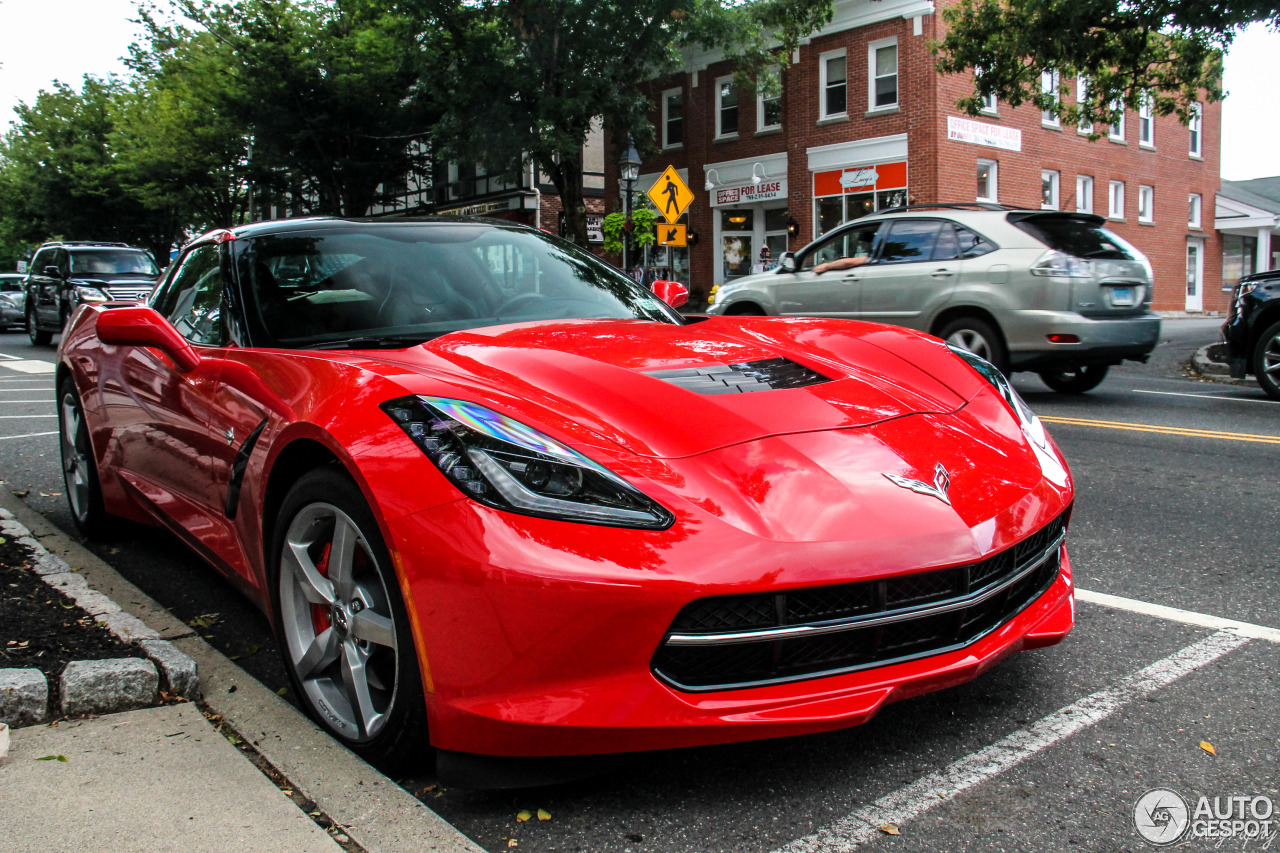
(498, 498)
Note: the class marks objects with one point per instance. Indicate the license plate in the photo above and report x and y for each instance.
(1121, 296)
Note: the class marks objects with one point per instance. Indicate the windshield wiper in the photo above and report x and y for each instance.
(371, 342)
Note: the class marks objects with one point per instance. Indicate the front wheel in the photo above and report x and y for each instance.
(344, 632)
(1266, 361)
(79, 470)
(38, 338)
(1075, 380)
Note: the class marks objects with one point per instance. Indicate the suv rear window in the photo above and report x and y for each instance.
(1077, 236)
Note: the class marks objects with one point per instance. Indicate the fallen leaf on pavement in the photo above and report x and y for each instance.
(1208, 747)
(18, 494)
(204, 620)
(889, 829)
(543, 814)
(61, 758)
(523, 816)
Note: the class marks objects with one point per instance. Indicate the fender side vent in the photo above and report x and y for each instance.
(772, 374)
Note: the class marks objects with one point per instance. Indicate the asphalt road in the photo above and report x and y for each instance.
(1177, 505)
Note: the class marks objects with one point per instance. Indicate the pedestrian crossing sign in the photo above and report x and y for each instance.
(672, 235)
(670, 195)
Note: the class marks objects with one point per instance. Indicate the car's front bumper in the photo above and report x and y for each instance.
(10, 315)
(1097, 340)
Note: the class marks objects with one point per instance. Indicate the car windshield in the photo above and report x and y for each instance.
(407, 283)
(1079, 237)
(108, 262)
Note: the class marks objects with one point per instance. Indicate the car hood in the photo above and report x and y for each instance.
(669, 391)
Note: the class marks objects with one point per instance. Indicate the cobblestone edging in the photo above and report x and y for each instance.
(94, 686)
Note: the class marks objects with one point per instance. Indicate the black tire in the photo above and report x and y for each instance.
(390, 728)
(1266, 361)
(978, 337)
(744, 309)
(79, 468)
(38, 338)
(1075, 380)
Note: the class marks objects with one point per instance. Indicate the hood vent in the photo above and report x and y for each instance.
(771, 374)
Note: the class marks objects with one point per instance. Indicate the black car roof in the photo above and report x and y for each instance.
(334, 223)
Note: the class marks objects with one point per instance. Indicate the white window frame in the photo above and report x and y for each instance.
(760, 99)
(993, 181)
(823, 59)
(719, 107)
(990, 104)
(1054, 180)
(872, 47)
(666, 101)
(1146, 123)
(1116, 131)
(1196, 128)
(1146, 203)
(1082, 95)
(1084, 193)
(1194, 205)
(1115, 200)
(1049, 81)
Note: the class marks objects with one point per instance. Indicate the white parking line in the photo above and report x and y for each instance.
(1207, 396)
(29, 417)
(26, 365)
(929, 791)
(27, 435)
(1174, 614)
(41, 400)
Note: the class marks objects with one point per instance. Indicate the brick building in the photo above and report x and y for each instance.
(864, 122)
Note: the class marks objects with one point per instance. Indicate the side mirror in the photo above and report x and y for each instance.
(52, 271)
(673, 293)
(143, 327)
(788, 262)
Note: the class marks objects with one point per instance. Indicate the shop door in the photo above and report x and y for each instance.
(1195, 275)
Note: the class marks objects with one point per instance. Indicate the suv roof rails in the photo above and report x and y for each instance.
(93, 243)
(949, 205)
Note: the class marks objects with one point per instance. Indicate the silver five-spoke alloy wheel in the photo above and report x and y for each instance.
(337, 622)
(76, 468)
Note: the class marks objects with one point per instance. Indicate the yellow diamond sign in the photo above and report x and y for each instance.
(671, 195)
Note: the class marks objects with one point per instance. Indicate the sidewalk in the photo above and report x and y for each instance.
(164, 779)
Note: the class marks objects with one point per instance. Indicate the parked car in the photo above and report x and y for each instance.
(495, 495)
(1252, 330)
(12, 299)
(65, 275)
(1041, 290)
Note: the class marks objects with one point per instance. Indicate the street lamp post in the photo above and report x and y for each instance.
(629, 172)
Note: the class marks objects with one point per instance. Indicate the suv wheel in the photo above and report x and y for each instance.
(38, 338)
(1266, 361)
(1075, 380)
(978, 337)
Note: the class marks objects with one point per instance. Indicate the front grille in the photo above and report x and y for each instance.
(127, 293)
(770, 374)
(749, 640)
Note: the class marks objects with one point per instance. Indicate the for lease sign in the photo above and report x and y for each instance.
(750, 194)
(981, 133)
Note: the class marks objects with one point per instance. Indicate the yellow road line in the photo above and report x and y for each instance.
(1166, 430)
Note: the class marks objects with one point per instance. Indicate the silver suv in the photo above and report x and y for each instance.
(1039, 290)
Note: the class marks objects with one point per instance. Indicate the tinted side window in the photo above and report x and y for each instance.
(909, 240)
(60, 260)
(847, 244)
(43, 258)
(1078, 237)
(972, 245)
(948, 247)
(192, 300)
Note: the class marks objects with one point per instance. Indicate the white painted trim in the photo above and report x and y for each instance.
(1175, 614)
(1087, 180)
(666, 100)
(716, 105)
(761, 127)
(872, 47)
(1147, 193)
(823, 59)
(885, 148)
(731, 172)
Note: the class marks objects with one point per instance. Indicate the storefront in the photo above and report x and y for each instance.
(749, 215)
(852, 179)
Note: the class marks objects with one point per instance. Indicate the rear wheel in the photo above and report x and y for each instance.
(344, 632)
(978, 337)
(79, 470)
(1075, 380)
(1266, 361)
(38, 338)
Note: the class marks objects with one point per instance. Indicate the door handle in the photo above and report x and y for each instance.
(942, 273)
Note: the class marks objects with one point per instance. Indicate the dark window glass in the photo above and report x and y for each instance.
(886, 76)
(192, 300)
(1077, 237)
(947, 248)
(675, 119)
(909, 240)
(972, 245)
(728, 108)
(112, 262)
(836, 101)
(852, 243)
(42, 259)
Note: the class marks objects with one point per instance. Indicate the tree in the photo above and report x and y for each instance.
(520, 81)
(1166, 52)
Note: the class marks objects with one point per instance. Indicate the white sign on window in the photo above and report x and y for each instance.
(981, 133)
(750, 194)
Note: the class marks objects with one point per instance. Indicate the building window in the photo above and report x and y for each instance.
(1117, 128)
(1084, 194)
(1193, 210)
(1082, 95)
(769, 99)
(1238, 257)
(1049, 86)
(833, 84)
(882, 59)
(1196, 127)
(1115, 203)
(1146, 204)
(1146, 123)
(672, 118)
(1048, 189)
(989, 103)
(726, 107)
(987, 174)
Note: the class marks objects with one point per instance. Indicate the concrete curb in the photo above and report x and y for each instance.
(92, 686)
(1216, 371)
(376, 813)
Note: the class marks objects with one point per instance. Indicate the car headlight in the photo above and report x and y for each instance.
(1056, 263)
(508, 465)
(84, 293)
(1032, 427)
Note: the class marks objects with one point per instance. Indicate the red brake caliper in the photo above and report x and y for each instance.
(320, 619)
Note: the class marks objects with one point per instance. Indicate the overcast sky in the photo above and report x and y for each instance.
(92, 35)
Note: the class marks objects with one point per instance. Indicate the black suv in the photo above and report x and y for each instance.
(64, 275)
(1252, 330)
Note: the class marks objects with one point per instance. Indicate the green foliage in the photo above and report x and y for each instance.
(643, 230)
(1167, 50)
